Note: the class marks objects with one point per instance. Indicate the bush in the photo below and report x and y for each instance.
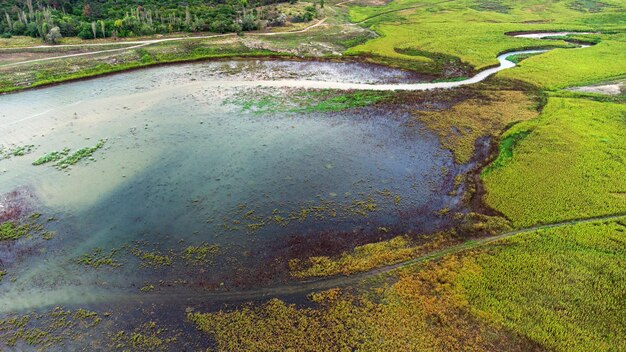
(54, 35)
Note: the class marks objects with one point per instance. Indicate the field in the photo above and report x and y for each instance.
(562, 288)
(566, 164)
(474, 32)
(602, 62)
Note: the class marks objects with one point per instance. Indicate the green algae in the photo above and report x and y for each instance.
(16, 151)
(64, 159)
(47, 330)
(51, 157)
(199, 255)
(98, 258)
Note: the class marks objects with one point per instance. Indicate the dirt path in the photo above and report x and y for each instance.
(142, 43)
(183, 295)
(343, 3)
(304, 287)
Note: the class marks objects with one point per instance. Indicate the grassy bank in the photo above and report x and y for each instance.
(564, 68)
(559, 289)
(45, 73)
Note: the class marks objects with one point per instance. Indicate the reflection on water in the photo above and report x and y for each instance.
(181, 168)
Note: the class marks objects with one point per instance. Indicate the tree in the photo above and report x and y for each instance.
(93, 29)
(54, 35)
(87, 10)
(102, 28)
(9, 21)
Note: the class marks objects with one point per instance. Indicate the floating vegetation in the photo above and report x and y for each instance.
(200, 255)
(147, 288)
(48, 235)
(370, 256)
(305, 101)
(48, 329)
(152, 258)
(252, 221)
(64, 159)
(79, 155)
(98, 258)
(7, 153)
(147, 337)
(12, 230)
(51, 157)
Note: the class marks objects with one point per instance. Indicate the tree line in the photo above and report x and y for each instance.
(88, 19)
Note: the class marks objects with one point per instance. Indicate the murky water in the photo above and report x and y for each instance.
(182, 166)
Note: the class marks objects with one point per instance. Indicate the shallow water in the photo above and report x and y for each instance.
(181, 166)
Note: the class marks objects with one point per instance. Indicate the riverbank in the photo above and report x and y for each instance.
(148, 60)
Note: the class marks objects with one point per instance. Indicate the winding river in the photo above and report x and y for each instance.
(504, 64)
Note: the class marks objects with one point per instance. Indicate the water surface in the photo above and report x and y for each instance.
(183, 166)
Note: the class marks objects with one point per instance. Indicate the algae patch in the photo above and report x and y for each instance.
(63, 159)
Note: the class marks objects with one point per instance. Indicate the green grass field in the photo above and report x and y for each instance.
(563, 288)
(570, 163)
(565, 68)
(474, 31)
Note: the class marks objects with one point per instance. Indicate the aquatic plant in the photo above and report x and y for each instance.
(152, 258)
(514, 294)
(306, 101)
(79, 155)
(47, 330)
(363, 206)
(461, 125)
(64, 159)
(24, 227)
(9, 230)
(200, 255)
(51, 157)
(97, 258)
(7, 153)
(146, 337)
(370, 256)
(147, 288)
